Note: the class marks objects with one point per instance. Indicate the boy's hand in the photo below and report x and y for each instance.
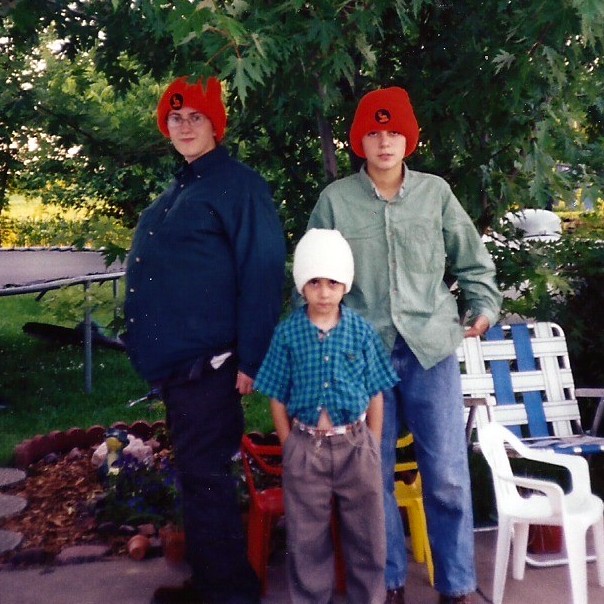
(478, 328)
(280, 419)
(375, 416)
(244, 383)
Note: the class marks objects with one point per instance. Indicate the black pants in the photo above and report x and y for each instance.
(206, 424)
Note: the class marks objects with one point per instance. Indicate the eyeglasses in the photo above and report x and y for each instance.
(175, 120)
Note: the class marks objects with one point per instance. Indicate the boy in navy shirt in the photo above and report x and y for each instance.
(324, 372)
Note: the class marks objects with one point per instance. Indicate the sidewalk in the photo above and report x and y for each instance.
(126, 581)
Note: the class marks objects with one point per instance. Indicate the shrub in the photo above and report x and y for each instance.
(560, 282)
(98, 232)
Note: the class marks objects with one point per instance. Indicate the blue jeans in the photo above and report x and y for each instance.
(429, 402)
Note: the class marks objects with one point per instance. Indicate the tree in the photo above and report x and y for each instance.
(505, 92)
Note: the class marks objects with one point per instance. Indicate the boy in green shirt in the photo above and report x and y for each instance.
(403, 226)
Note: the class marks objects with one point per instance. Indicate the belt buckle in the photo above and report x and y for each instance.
(326, 433)
(338, 430)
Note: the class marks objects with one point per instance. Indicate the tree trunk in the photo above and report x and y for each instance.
(330, 165)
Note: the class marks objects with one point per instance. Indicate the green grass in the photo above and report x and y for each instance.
(42, 383)
(22, 208)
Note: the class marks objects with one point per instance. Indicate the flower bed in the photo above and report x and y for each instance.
(34, 449)
(69, 502)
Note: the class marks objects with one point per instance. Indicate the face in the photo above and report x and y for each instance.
(191, 133)
(384, 149)
(323, 296)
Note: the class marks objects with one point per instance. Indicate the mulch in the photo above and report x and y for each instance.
(60, 494)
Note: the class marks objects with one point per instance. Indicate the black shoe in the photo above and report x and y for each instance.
(395, 596)
(463, 599)
(185, 594)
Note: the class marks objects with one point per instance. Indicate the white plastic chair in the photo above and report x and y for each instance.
(546, 503)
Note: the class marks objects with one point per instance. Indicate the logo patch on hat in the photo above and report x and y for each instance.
(177, 101)
(382, 116)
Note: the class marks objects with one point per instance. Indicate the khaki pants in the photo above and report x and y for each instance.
(344, 469)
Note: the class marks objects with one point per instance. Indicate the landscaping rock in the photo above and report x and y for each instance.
(11, 505)
(11, 477)
(77, 554)
(9, 540)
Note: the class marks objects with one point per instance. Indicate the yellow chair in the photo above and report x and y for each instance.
(409, 496)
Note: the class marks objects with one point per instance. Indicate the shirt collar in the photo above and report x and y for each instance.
(206, 163)
(302, 317)
(368, 184)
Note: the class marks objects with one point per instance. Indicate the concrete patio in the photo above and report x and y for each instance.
(129, 582)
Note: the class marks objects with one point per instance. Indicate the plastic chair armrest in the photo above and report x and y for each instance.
(551, 490)
(575, 464)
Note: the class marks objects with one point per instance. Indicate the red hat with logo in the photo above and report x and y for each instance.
(384, 109)
(208, 101)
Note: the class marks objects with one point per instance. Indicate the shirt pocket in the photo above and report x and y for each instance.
(423, 248)
(361, 224)
(350, 367)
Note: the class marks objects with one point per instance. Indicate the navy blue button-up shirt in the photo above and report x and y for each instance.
(205, 271)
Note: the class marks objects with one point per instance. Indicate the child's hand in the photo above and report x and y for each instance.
(244, 383)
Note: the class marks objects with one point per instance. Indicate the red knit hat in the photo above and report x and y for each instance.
(180, 94)
(384, 109)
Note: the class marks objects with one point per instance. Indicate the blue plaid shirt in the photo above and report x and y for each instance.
(308, 369)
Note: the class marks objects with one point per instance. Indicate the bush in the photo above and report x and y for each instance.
(560, 282)
(99, 232)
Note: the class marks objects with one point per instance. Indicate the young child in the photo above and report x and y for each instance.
(324, 372)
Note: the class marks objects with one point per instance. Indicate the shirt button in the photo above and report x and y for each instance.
(326, 385)
(132, 290)
(182, 186)
(326, 359)
(138, 259)
(150, 232)
(131, 320)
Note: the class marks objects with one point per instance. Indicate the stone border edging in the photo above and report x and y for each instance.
(36, 448)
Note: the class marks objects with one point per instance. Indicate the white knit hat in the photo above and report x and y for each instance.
(323, 253)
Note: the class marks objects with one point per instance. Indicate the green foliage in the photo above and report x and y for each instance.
(502, 108)
(92, 147)
(68, 305)
(96, 232)
(586, 224)
(258, 416)
(581, 316)
(561, 282)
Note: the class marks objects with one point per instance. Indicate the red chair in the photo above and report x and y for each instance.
(266, 504)
(262, 465)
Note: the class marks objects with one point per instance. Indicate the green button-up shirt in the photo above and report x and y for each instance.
(400, 249)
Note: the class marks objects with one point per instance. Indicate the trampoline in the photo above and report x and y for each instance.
(38, 270)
